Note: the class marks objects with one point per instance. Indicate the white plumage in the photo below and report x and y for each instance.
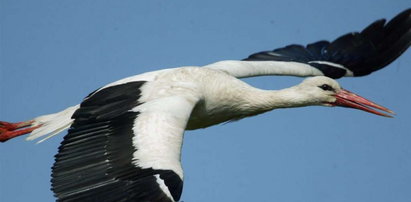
(217, 95)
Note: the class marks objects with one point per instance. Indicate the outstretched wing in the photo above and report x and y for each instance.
(359, 52)
(121, 148)
(353, 54)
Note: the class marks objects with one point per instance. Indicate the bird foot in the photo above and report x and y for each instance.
(12, 130)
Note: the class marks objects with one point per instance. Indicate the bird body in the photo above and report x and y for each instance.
(214, 95)
(124, 139)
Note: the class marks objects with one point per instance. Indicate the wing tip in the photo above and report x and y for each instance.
(358, 53)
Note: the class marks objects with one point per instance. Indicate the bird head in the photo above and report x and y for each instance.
(327, 92)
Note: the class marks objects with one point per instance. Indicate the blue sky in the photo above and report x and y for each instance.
(53, 53)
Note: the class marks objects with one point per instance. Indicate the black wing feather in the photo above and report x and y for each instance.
(94, 162)
(361, 52)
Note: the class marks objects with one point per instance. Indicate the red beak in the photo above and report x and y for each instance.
(346, 98)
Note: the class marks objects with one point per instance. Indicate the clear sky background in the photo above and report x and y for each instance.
(53, 53)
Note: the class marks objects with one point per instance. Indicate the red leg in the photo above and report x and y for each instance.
(10, 130)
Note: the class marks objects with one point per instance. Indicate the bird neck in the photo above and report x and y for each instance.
(265, 100)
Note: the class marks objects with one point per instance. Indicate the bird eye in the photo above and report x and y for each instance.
(326, 87)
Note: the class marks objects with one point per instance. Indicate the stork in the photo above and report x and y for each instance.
(124, 139)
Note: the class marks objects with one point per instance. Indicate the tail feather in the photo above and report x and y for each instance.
(52, 124)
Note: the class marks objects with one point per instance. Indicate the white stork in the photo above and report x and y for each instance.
(124, 139)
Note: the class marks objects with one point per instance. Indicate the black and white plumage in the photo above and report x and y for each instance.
(99, 148)
(124, 139)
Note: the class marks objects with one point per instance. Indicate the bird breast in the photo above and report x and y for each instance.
(222, 97)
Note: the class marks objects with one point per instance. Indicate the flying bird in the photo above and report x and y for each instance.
(124, 139)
